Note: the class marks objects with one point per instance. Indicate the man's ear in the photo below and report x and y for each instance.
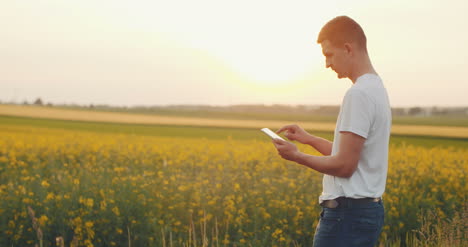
(348, 48)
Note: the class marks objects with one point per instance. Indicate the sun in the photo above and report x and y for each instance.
(274, 65)
(263, 51)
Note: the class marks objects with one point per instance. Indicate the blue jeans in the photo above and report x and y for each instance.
(357, 225)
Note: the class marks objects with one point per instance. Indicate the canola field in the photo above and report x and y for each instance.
(62, 187)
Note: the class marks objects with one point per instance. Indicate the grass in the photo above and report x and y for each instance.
(435, 231)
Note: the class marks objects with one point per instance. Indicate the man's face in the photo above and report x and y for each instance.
(336, 58)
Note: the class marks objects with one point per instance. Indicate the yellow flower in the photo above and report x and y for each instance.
(45, 184)
(42, 220)
(89, 202)
(103, 205)
(116, 211)
(27, 201)
(50, 196)
(89, 224)
(88, 243)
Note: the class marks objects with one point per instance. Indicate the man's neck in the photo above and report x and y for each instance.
(363, 67)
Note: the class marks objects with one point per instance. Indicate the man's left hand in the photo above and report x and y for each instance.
(286, 149)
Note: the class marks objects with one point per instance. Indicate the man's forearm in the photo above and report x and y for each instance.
(331, 165)
(322, 145)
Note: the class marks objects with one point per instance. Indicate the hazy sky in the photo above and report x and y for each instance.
(217, 52)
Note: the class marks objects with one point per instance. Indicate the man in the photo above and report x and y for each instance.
(355, 163)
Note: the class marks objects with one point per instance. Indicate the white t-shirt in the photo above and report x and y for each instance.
(365, 111)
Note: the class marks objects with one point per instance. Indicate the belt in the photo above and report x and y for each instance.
(345, 202)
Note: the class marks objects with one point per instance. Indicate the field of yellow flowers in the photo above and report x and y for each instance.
(81, 188)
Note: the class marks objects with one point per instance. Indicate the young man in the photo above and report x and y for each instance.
(355, 163)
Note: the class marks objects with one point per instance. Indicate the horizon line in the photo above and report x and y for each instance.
(87, 105)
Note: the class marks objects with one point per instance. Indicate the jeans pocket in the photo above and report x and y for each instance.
(329, 224)
(366, 229)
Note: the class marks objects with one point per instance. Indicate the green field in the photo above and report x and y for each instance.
(202, 132)
(458, 121)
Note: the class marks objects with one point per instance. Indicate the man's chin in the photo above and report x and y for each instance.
(339, 75)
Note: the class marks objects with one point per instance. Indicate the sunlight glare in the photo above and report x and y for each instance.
(274, 65)
(251, 38)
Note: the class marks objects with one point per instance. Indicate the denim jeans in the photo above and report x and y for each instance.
(357, 225)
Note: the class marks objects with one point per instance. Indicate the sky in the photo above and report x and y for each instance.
(215, 52)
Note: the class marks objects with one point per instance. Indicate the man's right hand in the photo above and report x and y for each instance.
(295, 133)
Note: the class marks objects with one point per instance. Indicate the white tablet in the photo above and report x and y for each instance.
(271, 134)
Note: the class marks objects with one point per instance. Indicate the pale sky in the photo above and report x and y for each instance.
(153, 52)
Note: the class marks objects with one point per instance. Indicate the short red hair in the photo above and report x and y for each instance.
(341, 30)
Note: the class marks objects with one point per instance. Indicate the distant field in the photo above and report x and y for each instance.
(459, 121)
(113, 117)
(17, 124)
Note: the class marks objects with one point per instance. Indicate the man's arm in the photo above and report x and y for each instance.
(295, 133)
(342, 164)
(324, 146)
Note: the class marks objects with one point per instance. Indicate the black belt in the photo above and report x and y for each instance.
(345, 202)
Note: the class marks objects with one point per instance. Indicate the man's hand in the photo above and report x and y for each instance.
(295, 133)
(286, 149)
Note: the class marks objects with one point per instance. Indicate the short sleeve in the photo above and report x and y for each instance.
(356, 114)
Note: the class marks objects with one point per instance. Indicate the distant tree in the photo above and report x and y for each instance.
(439, 111)
(38, 101)
(50, 104)
(399, 111)
(415, 110)
(25, 102)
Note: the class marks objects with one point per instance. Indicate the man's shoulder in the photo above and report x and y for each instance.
(368, 82)
(369, 86)
(356, 91)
